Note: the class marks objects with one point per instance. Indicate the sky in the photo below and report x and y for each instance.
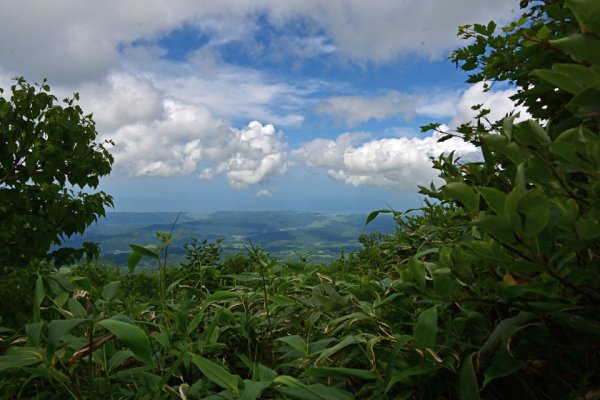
(312, 105)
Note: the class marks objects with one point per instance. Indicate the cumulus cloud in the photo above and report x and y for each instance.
(183, 139)
(121, 99)
(255, 154)
(498, 101)
(402, 163)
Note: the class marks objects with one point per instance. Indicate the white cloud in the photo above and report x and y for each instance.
(402, 163)
(254, 155)
(353, 110)
(70, 40)
(498, 101)
(384, 29)
(266, 192)
(121, 99)
(176, 137)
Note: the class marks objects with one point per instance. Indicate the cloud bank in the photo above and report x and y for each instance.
(401, 163)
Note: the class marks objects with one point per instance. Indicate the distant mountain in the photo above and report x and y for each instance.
(285, 234)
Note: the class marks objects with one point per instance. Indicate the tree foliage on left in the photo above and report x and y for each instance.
(50, 166)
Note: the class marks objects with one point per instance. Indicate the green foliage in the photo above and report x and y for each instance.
(48, 152)
(490, 292)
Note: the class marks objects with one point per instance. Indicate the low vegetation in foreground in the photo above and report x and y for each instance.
(491, 291)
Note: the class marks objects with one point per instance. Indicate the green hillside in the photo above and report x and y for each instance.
(285, 234)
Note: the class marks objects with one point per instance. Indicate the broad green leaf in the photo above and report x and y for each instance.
(587, 13)
(253, 389)
(132, 336)
(463, 193)
(531, 133)
(586, 104)
(76, 308)
(468, 380)
(511, 207)
(19, 357)
(579, 47)
(494, 198)
(416, 272)
(298, 390)
(505, 329)
(265, 373)
(119, 358)
(133, 259)
(346, 341)
(222, 295)
(328, 372)
(296, 342)
(572, 78)
(282, 300)
(535, 206)
(144, 251)
(399, 375)
(57, 329)
(425, 330)
(502, 365)
(34, 332)
(38, 297)
(110, 290)
(216, 373)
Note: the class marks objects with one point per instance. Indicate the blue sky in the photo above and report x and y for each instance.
(258, 105)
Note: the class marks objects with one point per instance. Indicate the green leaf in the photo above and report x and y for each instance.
(216, 373)
(346, 341)
(132, 336)
(586, 104)
(468, 380)
(505, 329)
(34, 332)
(502, 365)
(19, 357)
(498, 227)
(416, 272)
(144, 251)
(531, 133)
(133, 259)
(587, 13)
(38, 297)
(281, 300)
(221, 295)
(580, 47)
(296, 342)
(572, 78)
(535, 206)
(253, 389)
(57, 329)
(425, 330)
(374, 215)
(298, 390)
(460, 191)
(110, 290)
(119, 358)
(399, 375)
(329, 372)
(76, 308)
(494, 198)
